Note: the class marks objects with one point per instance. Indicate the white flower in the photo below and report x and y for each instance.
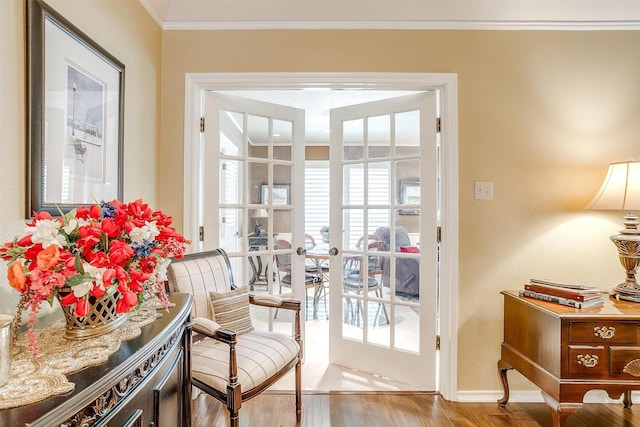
(153, 229)
(162, 270)
(82, 289)
(94, 272)
(73, 225)
(46, 232)
(147, 232)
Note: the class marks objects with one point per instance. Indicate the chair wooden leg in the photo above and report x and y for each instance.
(298, 391)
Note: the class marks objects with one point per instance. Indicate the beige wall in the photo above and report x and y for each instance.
(126, 31)
(541, 114)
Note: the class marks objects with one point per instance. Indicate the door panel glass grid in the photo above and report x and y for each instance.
(373, 310)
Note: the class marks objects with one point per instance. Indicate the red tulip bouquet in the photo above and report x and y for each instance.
(110, 248)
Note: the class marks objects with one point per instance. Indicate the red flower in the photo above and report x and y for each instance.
(97, 291)
(108, 276)
(37, 216)
(82, 307)
(95, 212)
(82, 212)
(100, 260)
(110, 228)
(148, 264)
(139, 275)
(68, 299)
(120, 252)
(135, 286)
(128, 300)
(25, 241)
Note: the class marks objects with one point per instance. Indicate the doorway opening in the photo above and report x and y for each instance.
(351, 85)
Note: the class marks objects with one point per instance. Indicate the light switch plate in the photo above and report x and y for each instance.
(484, 190)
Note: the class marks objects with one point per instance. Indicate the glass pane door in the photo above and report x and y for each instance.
(250, 195)
(383, 304)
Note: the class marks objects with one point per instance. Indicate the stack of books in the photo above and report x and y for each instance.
(578, 296)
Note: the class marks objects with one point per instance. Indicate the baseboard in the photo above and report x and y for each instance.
(534, 396)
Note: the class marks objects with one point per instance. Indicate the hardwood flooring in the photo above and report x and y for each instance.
(402, 409)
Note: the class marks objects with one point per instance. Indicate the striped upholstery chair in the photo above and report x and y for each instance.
(233, 367)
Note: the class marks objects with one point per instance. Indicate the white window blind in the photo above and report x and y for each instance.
(316, 197)
(317, 200)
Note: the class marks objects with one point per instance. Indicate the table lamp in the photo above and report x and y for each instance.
(621, 191)
(257, 214)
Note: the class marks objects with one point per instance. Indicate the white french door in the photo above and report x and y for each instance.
(384, 271)
(252, 188)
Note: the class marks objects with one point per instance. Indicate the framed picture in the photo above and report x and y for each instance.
(281, 194)
(75, 115)
(410, 195)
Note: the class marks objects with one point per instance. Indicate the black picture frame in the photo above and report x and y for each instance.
(75, 113)
(281, 194)
(409, 195)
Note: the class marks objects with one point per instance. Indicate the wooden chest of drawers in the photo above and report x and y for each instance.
(567, 352)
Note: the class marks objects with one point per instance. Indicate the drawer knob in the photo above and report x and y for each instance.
(588, 360)
(632, 368)
(604, 332)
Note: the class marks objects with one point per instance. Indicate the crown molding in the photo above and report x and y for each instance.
(631, 25)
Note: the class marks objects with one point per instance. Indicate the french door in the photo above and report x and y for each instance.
(251, 167)
(383, 271)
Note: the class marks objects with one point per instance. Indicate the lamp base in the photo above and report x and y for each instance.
(627, 291)
(628, 244)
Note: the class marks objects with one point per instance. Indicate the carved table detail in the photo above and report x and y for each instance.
(144, 381)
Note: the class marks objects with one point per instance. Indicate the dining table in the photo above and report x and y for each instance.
(319, 255)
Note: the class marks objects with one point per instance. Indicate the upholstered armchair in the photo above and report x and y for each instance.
(230, 360)
(407, 270)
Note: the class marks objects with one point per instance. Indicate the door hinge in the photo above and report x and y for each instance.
(201, 124)
(437, 342)
(439, 234)
(201, 233)
(438, 124)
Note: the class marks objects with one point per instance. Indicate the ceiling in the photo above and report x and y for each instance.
(395, 14)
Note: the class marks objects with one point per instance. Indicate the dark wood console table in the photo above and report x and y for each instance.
(567, 352)
(145, 381)
(258, 268)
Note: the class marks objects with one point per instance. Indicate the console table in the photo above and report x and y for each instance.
(567, 351)
(145, 381)
(258, 268)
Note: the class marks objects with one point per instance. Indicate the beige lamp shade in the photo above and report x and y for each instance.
(620, 190)
(260, 213)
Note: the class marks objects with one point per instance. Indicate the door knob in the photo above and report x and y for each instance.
(301, 251)
(333, 251)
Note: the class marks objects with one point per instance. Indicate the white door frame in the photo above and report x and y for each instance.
(195, 83)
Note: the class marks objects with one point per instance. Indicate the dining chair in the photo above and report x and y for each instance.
(358, 279)
(365, 240)
(230, 360)
(283, 268)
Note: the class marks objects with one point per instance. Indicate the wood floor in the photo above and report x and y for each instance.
(403, 410)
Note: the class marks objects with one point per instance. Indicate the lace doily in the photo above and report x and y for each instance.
(34, 379)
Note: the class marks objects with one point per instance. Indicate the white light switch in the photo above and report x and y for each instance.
(484, 190)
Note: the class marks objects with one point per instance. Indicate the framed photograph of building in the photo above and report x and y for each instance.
(75, 115)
